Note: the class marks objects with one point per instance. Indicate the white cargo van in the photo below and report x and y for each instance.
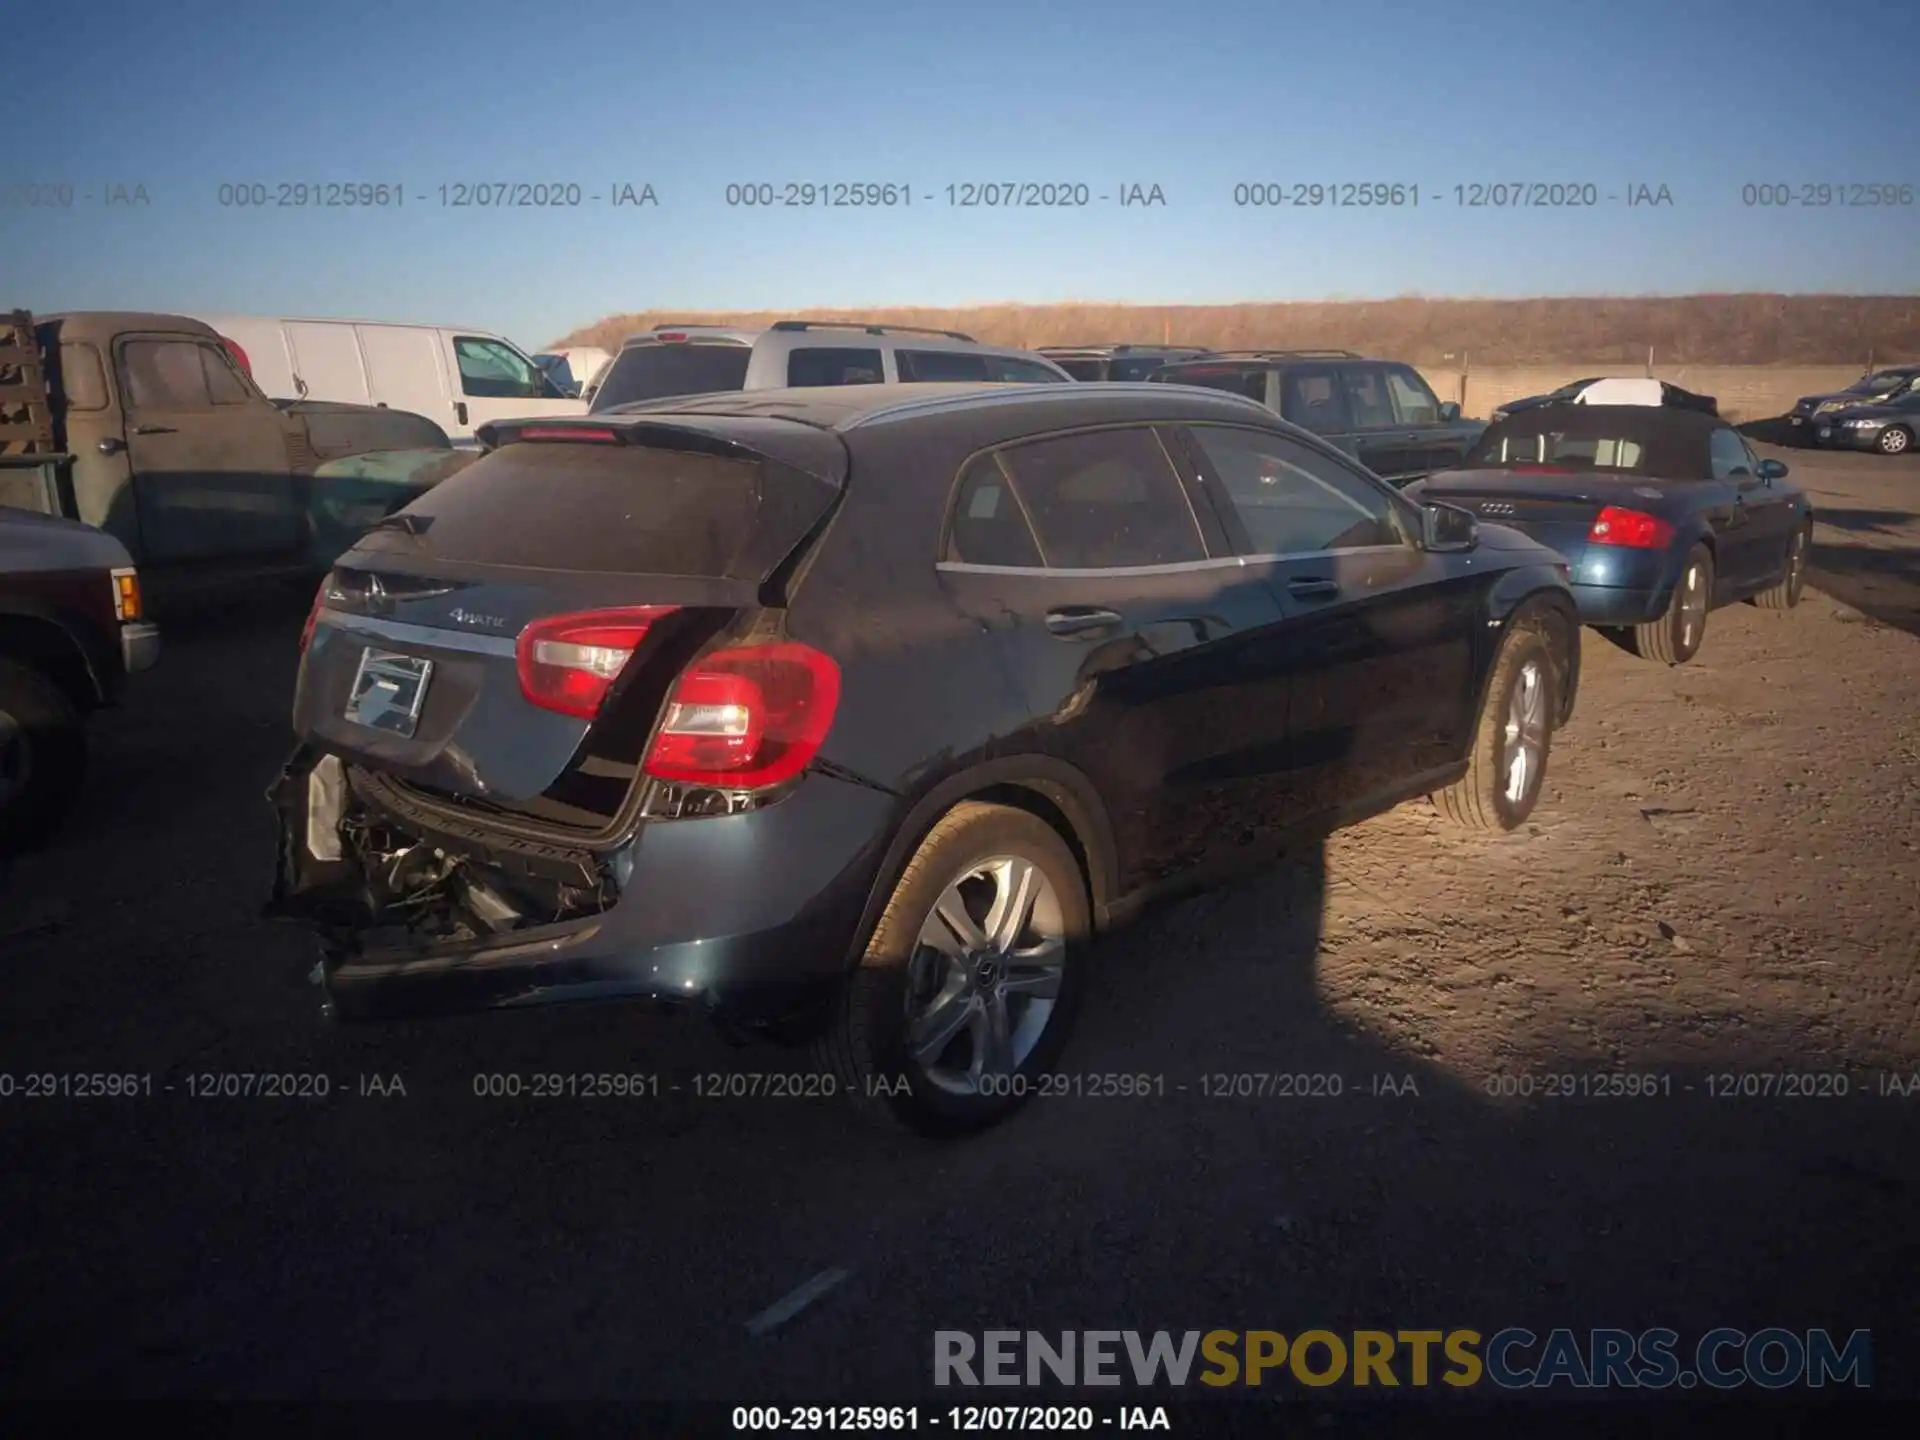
(458, 378)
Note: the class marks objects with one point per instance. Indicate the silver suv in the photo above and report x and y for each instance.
(702, 359)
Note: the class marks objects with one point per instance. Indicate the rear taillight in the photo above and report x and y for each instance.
(674, 336)
(744, 718)
(313, 614)
(581, 433)
(1632, 528)
(568, 663)
(239, 356)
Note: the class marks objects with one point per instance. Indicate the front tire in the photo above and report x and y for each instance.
(1793, 577)
(43, 755)
(1894, 440)
(1511, 739)
(1676, 636)
(967, 992)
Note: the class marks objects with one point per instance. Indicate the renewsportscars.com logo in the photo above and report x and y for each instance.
(1510, 1359)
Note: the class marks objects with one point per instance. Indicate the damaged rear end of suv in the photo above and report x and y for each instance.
(517, 694)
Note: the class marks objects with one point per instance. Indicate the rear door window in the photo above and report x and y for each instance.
(1084, 369)
(1105, 499)
(988, 527)
(657, 371)
(1138, 367)
(820, 365)
(1367, 398)
(617, 509)
(1313, 398)
(944, 366)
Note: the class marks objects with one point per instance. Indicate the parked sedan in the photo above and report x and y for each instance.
(1877, 387)
(1887, 427)
(1663, 514)
(855, 711)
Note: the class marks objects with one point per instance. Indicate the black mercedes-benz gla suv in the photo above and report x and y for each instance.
(857, 712)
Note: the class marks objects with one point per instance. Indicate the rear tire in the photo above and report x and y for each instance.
(43, 755)
(1894, 440)
(1793, 578)
(883, 1038)
(1500, 788)
(1676, 636)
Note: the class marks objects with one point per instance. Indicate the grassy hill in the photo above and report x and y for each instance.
(1681, 330)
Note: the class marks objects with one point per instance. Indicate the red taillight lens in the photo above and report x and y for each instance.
(313, 617)
(745, 718)
(568, 663)
(239, 356)
(670, 337)
(1615, 526)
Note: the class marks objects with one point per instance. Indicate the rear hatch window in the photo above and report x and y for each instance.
(660, 371)
(607, 509)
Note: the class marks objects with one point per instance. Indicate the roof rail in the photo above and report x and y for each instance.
(692, 325)
(1264, 354)
(791, 325)
(1119, 349)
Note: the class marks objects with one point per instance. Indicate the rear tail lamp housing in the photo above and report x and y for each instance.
(1633, 529)
(746, 717)
(569, 663)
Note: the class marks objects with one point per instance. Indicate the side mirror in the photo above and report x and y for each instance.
(1446, 528)
(1449, 412)
(1772, 470)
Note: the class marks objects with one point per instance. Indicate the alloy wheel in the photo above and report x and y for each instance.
(1693, 607)
(1893, 440)
(985, 975)
(1525, 737)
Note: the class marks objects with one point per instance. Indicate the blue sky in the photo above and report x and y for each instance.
(1701, 96)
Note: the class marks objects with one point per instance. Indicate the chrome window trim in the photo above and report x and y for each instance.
(1217, 563)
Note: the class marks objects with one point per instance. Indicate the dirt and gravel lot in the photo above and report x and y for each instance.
(1723, 881)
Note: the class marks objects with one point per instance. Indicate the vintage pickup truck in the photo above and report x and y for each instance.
(145, 426)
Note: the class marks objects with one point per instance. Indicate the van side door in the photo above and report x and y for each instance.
(405, 371)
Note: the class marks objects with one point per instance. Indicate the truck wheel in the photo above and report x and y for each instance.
(43, 754)
(960, 1007)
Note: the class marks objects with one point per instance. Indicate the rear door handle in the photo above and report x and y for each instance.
(460, 411)
(1079, 620)
(153, 430)
(1313, 589)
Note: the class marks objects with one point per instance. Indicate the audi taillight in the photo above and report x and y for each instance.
(1632, 528)
(568, 663)
(747, 717)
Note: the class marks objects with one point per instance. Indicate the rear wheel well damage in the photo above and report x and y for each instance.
(47, 647)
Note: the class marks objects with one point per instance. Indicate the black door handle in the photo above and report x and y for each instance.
(1078, 620)
(153, 430)
(460, 411)
(1313, 589)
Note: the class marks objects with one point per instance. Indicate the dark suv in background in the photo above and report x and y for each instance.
(1117, 362)
(1381, 412)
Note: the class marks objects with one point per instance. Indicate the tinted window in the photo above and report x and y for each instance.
(1367, 398)
(1009, 369)
(1311, 398)
(164, 375)
(1413, 402)
(946, 366)
(1104, 499)
(1729, 454)
(822, 366)
(223, 381)
(490, 370)
(82, 381)
(1292, 501)
(1084, 369)
(604, 508)
(1138, 367)
(988, 527)
(1235, 380)
(653, 372)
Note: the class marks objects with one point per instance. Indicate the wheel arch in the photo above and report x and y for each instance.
(1049, 789)
(1556, 612)
(43, 643)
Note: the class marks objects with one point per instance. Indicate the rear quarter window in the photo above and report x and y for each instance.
(614, 509)
(821, 365)
(656, 372)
